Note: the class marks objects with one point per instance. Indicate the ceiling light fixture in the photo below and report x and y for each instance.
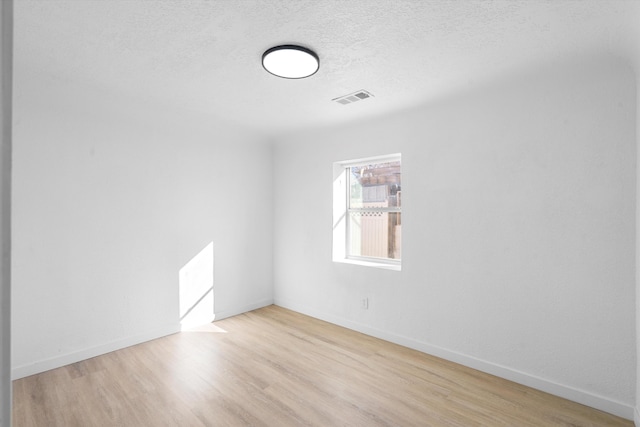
(290, 61)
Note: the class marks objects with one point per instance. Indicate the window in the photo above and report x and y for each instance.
(368, 223)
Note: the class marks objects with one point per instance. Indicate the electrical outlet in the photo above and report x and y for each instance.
(365, 303)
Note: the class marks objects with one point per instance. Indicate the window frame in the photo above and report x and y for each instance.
(343, 169)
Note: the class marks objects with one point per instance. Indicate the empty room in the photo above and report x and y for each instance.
(324, 213)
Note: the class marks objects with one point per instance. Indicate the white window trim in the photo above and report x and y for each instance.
(341, 212)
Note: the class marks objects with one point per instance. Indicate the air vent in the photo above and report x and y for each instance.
(353, 97)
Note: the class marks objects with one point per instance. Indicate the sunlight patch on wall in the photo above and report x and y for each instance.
(196, 290)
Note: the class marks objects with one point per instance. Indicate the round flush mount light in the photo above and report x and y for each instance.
(290, 61)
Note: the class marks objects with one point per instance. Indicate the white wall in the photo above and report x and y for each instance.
(112, 197)
(637, 253)
(518, 230)
(6, 47)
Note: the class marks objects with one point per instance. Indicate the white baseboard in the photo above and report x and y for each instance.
(586, 398)
(239, 310)
(636, 416)
(76, 356)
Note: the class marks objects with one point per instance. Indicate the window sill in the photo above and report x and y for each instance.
(393, 267)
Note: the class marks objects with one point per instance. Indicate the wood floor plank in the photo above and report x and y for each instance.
(275, 367)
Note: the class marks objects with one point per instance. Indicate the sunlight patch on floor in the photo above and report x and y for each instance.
(208, 327)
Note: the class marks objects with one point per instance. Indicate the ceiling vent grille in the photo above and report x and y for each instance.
(353, 97)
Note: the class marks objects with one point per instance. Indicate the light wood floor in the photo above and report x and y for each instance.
(274, 367)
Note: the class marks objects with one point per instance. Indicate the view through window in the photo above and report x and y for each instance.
(374, 210)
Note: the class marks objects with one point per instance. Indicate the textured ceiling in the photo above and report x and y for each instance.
(205, 55)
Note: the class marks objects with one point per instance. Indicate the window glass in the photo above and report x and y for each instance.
(374, 221)
(375, 185)
(375, 234)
